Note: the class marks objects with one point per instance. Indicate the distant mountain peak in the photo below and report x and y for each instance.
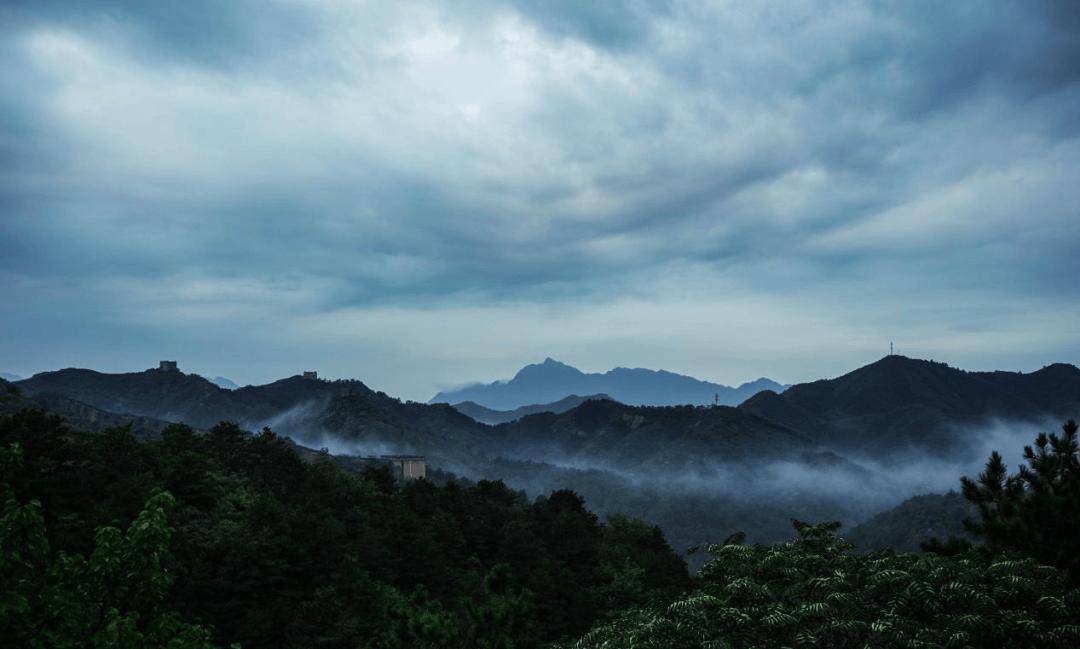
(763, 384)
(550, 381)
(548, 368)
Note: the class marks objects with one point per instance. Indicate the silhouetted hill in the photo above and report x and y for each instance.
(920, 518)
(493, 417)
(899, 403)
(344, 414)
(172, 396)
(551, 381)
(78, 414)
(633, 437)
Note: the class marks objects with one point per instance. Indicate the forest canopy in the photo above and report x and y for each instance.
(254, 545)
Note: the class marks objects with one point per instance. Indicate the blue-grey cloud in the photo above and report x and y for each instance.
(312, 183)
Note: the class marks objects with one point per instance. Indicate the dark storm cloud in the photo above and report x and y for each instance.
(173, 173)
(607, 23)
(204, 32)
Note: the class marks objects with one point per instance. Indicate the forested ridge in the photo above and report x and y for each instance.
(916, 520)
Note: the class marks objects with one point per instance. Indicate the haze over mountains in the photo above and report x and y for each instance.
(900, 404)
(346, 416)
(551, 381)
(894, 405)
(349, 417)
(842, 448)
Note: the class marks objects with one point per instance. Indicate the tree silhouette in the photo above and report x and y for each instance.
(1036, 511)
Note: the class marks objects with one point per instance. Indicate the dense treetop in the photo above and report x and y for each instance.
(813, 592)
(265, 548)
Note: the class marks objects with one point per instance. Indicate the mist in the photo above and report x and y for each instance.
(707, 501)
(298, 423)
(698, 500)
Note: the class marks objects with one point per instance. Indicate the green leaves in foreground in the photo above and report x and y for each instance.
(112, 599)
(811, 592)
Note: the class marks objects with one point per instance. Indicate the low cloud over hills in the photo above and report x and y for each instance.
(901, 404)
(842, 449)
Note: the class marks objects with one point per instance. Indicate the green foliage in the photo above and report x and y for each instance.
(269, 549)
(814, 592)
(114, 598)
(1035, 511)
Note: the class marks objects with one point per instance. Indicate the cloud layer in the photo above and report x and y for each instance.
(419, 195)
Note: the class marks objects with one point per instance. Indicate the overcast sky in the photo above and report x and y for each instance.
(423, 194)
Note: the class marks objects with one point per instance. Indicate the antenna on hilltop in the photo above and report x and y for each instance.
(890, 348)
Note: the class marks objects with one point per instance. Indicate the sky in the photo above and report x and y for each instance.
(425, 194)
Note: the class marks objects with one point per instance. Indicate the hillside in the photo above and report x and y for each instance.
(345, 414)
(269, 550)
(350, 418)
(80, 415)
(551, 381)
(688, 514)
(902, 404)
(634, 437)
(494, 417)
(919, 518)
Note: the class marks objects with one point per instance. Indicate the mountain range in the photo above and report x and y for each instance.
(551, 381)
(353, 419)
(493, 417)
(901, 404)
(345, 415)
(894, 405)
(699, 471)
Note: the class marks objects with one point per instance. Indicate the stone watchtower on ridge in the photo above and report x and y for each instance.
(310, 374)
(404, 467)
(167, 366)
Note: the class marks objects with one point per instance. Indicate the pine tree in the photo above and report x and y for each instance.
(1036, 511)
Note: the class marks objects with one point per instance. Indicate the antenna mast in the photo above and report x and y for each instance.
(890, 348)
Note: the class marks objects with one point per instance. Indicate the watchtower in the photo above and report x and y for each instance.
(406, 467)
(167, 366)
(314, 376)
